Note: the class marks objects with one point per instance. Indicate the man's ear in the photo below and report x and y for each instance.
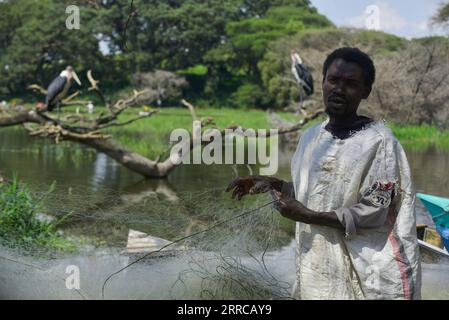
(366, 92)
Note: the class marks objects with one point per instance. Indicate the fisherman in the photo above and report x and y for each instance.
(351, 195)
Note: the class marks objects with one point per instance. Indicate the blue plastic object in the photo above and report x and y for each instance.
(444, 233)
(438, 208)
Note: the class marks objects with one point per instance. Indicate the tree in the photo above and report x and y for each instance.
(160, 85)
(313, 46)
(442, 15)
(173, 35)
(248, 41)
(166, 34)
(412, 86)
(36, 45)
(258, 8)
(249, 38)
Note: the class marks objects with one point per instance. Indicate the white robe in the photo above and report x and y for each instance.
(378, 255)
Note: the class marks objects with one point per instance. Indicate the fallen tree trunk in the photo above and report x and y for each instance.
(21, 118)
(129, 159)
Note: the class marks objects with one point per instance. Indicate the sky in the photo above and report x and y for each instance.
(405, 18)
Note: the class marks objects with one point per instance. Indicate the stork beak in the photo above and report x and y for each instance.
(292, 56)
(75, 77)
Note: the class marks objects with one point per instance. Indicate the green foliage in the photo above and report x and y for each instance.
(36, 45)
(197, 70)
(150, 137)
(166, 34)
(249, 38)
(217, 43)
(380, 42)
(314, 45)
(247, 43)
(225, 48)
(19, 225)
(442, 15)
(248, 95)
(416, 137)
(433, 40)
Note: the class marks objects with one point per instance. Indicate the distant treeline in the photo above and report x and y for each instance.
(217, 45)
(232, 53)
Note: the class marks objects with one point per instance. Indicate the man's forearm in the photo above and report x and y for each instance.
(302, 214)
(290, 208)
(328, 219)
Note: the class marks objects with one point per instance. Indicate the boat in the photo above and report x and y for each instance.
(434, 243)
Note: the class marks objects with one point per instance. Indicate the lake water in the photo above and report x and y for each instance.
(105, 200)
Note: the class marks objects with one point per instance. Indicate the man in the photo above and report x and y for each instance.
(351, 195)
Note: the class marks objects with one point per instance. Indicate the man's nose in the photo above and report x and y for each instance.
(339, 87)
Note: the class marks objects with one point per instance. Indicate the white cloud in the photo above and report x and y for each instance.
(423, 26)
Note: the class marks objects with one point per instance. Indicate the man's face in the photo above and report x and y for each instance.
(343, 88)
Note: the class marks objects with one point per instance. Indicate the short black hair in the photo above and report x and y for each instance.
(354, 55)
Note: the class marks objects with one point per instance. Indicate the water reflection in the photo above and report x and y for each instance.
(430, 170)
(103, 168)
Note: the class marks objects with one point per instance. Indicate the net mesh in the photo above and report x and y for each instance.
(223, 249)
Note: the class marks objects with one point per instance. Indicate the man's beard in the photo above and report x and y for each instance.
(335, 113)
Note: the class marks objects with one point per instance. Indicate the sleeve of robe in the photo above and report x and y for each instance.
(376, 193)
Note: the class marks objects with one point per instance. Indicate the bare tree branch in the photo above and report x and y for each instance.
(132, 14)
(37, 88)
(22, 117)
(94, 87)
(191, 109)
(111, 124)
(69, 98)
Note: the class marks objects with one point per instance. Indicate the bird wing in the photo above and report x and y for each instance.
(55, 87)
(304, 77)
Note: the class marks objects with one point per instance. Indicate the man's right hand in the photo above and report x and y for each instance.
(253, 185)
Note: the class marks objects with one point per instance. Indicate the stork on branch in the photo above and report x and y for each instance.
(302, 76)
(59, 87)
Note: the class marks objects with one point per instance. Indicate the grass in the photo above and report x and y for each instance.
(20, 226)
(416, 137)
(150, 137)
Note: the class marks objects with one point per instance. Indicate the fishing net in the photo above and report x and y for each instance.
(213, 247)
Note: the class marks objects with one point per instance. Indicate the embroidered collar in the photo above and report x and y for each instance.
(345, 133)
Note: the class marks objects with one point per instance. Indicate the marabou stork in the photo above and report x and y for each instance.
(59, 87)
(302, 75)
